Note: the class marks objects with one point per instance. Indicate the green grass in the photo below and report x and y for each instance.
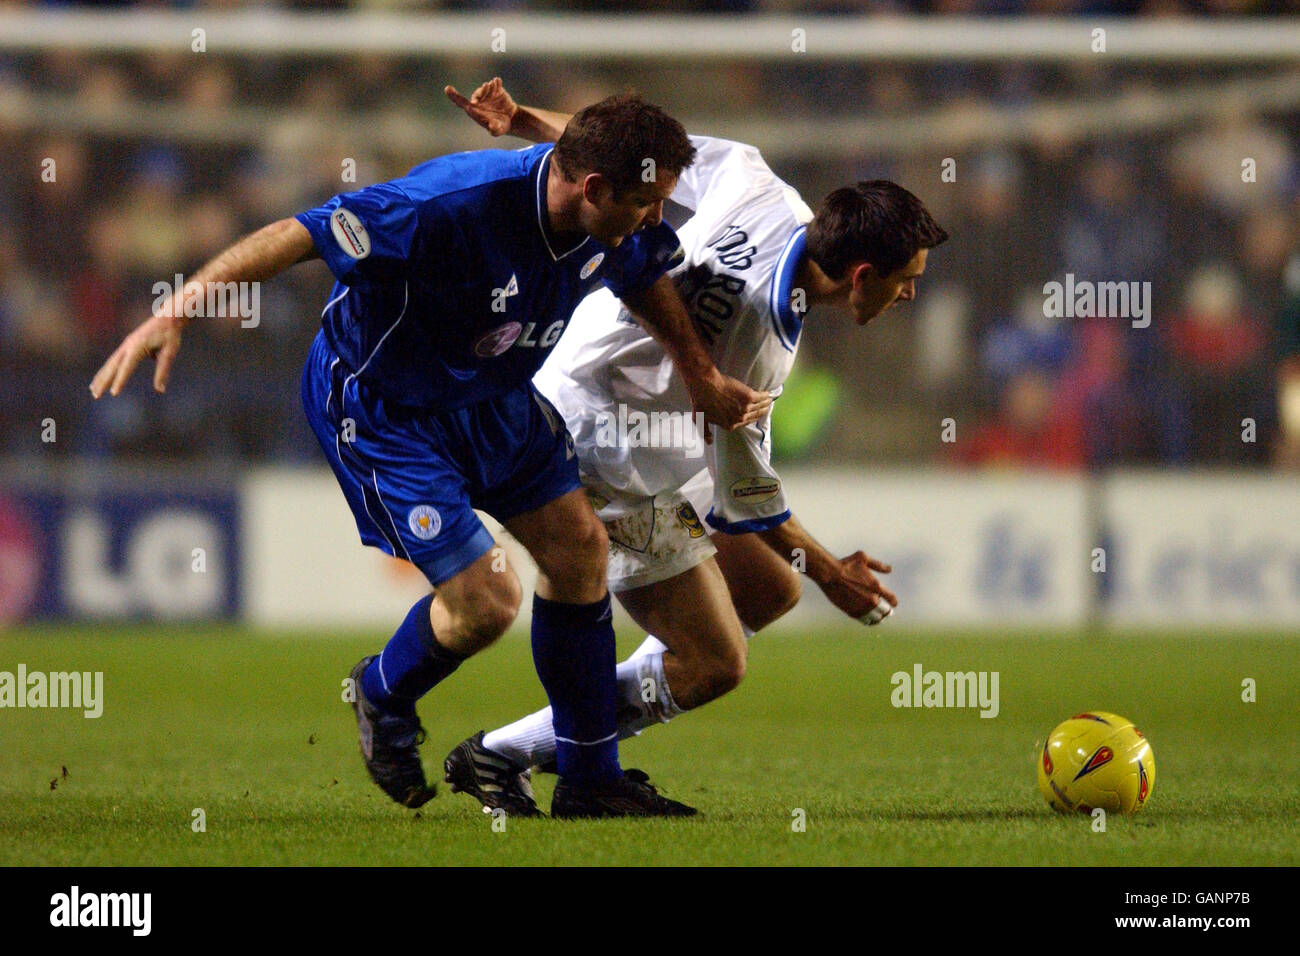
(252, 729)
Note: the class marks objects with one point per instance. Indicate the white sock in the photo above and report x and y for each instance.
(531, 740)
(651, 645)
(528, 742)
(643, 690)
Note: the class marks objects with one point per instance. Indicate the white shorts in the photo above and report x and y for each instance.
(653, 539)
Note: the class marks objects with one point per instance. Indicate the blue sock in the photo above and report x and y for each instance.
(410, 665)
(573, 649)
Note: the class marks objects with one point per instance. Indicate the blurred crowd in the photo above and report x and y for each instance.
(1212, 380)
(1199, 380)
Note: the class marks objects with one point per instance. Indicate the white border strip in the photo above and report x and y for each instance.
(862, 39)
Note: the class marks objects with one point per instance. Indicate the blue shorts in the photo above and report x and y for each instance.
(413, 479)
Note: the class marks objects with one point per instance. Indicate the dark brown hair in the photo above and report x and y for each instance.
(614, 138)
(875, 220)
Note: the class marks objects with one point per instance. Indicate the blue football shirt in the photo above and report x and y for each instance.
(452, 288)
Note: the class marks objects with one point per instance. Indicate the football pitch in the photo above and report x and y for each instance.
(224, 746)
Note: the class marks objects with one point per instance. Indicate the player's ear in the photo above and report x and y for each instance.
(596, 189)
(861, 274)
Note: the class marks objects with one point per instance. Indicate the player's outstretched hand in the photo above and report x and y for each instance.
(490, 106)
(159, 337)
(728, 402)
(857, 592)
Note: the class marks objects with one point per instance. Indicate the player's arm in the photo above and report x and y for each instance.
(749, 497)
(849, 583)
(496, 111)
(716, 160)
(256, 257)
(724, 401)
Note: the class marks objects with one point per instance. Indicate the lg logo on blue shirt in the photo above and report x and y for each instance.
(498, 341)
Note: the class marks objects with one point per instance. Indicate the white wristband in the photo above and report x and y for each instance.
(878, 613)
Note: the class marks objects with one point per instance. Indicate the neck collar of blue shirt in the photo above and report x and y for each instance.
(543, 219)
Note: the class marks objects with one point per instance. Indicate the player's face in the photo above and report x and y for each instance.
(873, 293)
(612, 219)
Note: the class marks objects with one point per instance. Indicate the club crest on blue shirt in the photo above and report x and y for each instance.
(425, 522)
(350, 233)
(592, 265)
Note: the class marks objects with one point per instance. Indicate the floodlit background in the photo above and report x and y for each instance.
(1097, 471)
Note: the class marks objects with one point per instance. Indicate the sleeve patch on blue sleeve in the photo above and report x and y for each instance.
(350, 233)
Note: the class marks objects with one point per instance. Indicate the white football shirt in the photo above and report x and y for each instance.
(743, 243)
